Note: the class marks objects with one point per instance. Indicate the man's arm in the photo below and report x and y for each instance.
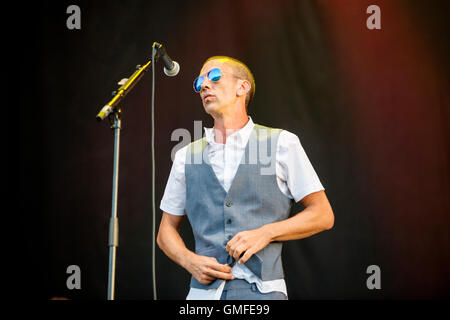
(204, 269)
(316, 217)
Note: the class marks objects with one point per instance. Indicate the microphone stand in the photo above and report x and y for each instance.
(113, 235)
(113, 111)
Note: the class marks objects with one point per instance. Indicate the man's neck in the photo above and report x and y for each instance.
(225, 126)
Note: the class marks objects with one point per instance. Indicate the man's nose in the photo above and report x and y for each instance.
(206, 84)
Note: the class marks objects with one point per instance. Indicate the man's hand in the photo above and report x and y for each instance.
(204, 269)
(207, 269)
(250, 242)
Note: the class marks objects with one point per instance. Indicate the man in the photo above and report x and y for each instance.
(238, 207)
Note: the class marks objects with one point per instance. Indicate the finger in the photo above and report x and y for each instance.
(225, 268)
(233, 245)
(233, 242)
(247, 255)
(206, 279)
(220, 275)
(229, 245)
(234, 252)
(220, 267)
(237, 253)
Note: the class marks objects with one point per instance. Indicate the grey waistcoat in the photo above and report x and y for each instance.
(253, 200)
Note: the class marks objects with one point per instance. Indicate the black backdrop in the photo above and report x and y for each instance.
(305, 83)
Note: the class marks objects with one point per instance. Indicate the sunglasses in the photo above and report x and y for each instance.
(213, 75)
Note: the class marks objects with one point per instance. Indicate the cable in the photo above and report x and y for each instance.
(153, 174)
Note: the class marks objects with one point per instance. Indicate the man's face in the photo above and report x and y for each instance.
(217, 96)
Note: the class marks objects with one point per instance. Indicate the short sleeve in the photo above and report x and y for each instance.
(295, 172)
(174, 198)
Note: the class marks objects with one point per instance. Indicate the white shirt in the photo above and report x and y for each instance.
(296, 179)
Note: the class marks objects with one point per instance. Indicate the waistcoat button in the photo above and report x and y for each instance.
(229, 204)
(229, 221)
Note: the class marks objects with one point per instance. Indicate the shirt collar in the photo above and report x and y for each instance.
(240, 136)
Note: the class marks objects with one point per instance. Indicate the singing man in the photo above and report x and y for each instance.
(237, 186)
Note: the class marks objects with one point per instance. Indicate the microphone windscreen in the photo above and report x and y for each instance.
(174, 71)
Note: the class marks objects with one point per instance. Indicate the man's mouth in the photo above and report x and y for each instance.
(206, 96)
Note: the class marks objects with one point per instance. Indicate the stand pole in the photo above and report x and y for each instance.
(112, 111)
(113, 237)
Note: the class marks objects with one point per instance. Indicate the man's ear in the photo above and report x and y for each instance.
(244, 87)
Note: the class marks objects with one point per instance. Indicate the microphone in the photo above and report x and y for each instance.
(171, 68)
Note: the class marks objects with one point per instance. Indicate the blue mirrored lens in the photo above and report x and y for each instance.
(214, 74)
(198, 83)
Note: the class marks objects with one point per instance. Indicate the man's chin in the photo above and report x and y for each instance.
(209, 107)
